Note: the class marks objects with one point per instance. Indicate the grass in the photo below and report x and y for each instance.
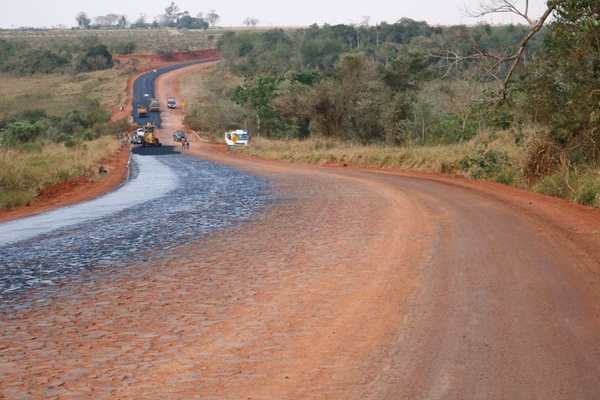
(146, 40)
(440, 159)
(496, 158)
(581, 187)
(59, 93)
(26, 171)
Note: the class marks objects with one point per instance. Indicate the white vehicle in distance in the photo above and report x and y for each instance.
(172, 103)
(237, 138)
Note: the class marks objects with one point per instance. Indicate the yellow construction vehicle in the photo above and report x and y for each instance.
(150, 138)
(141, 110)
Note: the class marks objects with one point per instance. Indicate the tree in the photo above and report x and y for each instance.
(251, 22)
(512, 7)
(109, 20)
(189, 22)
(83, 21)
(563, 87)
(212, 17)
(96, 58)
(140, 22)
(257, 94)
(122, 22)
(171, 15)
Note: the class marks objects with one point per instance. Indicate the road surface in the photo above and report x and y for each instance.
(351, 285)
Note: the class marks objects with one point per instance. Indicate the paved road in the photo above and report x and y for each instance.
(144, 90)
(170, 199)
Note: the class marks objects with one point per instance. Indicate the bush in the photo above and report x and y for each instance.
(96, 58)
(123, 47)
(18, 132)
(87, 123)
(486, 163)
(543, 158)
(553, 185)
(588, 191)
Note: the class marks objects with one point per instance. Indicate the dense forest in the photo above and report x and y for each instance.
(410, 83)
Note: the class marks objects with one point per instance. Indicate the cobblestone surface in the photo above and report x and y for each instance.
(208, 196)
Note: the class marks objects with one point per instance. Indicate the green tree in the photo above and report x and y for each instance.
(563, 86)
(257, 94)
(83, 22)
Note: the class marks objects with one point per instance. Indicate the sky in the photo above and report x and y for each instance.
(50, 13)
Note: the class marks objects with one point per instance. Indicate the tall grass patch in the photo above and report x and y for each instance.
(25, 171)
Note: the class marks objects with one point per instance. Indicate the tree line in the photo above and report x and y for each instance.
(172, 17)
(412, 83)
(83, 55)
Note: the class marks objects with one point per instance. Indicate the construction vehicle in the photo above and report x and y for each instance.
(154, 105)
(150, 138)
(141, 111)
(237, 138)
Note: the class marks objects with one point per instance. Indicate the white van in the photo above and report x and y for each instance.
(237, 138)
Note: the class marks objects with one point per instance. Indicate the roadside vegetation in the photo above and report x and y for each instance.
(117, 41)
(56, 94)
(481, 101)
(55, 127)
(28, 169)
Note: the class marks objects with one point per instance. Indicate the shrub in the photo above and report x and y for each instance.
(96, 58)
(543, 158)
(588, 191)
(123, 47)
(19, 132)
(485, 163)
(553, 185)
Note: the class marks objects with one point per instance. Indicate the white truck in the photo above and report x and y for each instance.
(237, 138)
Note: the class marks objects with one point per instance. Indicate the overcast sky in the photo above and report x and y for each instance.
(48, 13)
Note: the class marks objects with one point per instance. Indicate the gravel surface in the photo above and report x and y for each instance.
(208, 196)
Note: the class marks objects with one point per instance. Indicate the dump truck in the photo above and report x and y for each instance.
(154, 105)
(141, 110)
(150, 138)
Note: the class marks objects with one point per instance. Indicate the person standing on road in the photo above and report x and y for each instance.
(187, 144)
(182, 145)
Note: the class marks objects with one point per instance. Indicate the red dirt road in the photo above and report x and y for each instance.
(356, 285)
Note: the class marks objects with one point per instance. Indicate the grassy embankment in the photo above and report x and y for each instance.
(497, 156)
(28, 169)
(59, 93)
(476, 159)
(145, 40)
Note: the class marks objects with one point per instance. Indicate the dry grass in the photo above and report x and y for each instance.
(146, 40)
(440, 159)
(25, 172)
(577, 186)
(58, 93)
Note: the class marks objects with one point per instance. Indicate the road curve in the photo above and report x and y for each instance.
(354, 285)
